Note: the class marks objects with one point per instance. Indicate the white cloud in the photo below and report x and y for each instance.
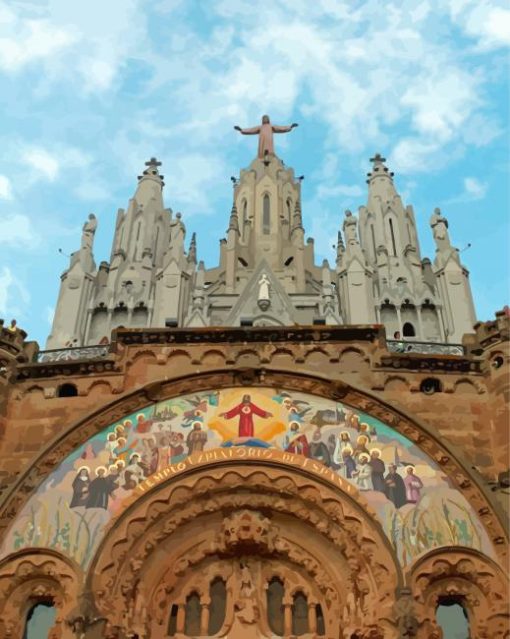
(486, 20)
(14, 298)
(474, 188)
(5, 188)
(44, 163)
(23, 41)
(86, 43)
(17, 231)
(47, 165)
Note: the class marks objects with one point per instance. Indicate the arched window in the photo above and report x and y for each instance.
(275, 591)
(39, 620)
(156, 242)
(192, 617)
(218, 595)
(452, 618)
(289, 210)
(138, 229)
(67, 390)
(321, 625)
(266, 215)
(299, 614)
(172, 622)
(408, 330)
(373, 240)
(244, 216)
(393, 237)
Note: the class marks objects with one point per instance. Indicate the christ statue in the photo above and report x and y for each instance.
(246, 410)
(265, 132)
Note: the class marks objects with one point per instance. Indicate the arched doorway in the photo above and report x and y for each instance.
(216, 540)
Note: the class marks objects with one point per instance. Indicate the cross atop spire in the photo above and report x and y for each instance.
(153, 162)
(378, 158)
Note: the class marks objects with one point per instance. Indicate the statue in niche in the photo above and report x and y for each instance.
(264, 284)
(265, 132)
(88, 232)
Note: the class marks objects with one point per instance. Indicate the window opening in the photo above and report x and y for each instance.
(408, 330)
(299, 614)
(275, 592)
(192, 619)
(393, 238)
(40, 620)
(452, 618)
(218, 595)
(172, 622)
(266, 215)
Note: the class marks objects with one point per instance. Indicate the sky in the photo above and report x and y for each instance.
(91, 90)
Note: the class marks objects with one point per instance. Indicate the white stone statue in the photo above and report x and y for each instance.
(439, 226)
(87, 236)
(263, 288)
(350, 228)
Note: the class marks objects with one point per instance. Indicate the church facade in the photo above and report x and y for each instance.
(266, 448)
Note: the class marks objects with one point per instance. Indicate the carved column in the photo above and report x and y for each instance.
(181, 617)
(205, 605)
(287, 617)
(312, 617)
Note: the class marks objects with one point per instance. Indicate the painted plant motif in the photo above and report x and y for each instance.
(417, 507)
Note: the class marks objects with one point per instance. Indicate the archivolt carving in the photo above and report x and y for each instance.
(465, 480)
(465, 573)
(239, 506)
(30, 576)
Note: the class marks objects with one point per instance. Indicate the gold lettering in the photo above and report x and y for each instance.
(288, 458)
(240, 452)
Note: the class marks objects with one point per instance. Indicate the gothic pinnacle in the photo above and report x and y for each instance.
(192, 252)
(297, 222)
(379, 168)
(234, 220)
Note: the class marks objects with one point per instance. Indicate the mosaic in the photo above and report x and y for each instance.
(416, 504)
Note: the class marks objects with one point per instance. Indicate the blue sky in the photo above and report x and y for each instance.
(90, 90)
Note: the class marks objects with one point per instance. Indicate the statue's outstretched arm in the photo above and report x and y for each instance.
(283, 129)
(250, 131)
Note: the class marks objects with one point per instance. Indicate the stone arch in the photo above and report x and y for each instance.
(213, 357)
(468, 386)
(33, 575)
(445, 455)
(396, 383)
(477, 580)
(99, 387)
(324, 541)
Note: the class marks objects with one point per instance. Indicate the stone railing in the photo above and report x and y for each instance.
(72, 354)
(425, 348)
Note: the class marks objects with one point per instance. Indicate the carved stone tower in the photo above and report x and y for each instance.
(267, 273)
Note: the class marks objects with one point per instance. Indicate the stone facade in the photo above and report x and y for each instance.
(262, 533)
(267, 273)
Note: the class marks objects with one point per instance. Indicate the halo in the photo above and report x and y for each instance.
(345, 432)
(100, 468)
(83, 468)
(375, 450)
(364, 456)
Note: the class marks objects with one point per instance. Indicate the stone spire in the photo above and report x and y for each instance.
(192, 252)
(233, 224)
(452, 280)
